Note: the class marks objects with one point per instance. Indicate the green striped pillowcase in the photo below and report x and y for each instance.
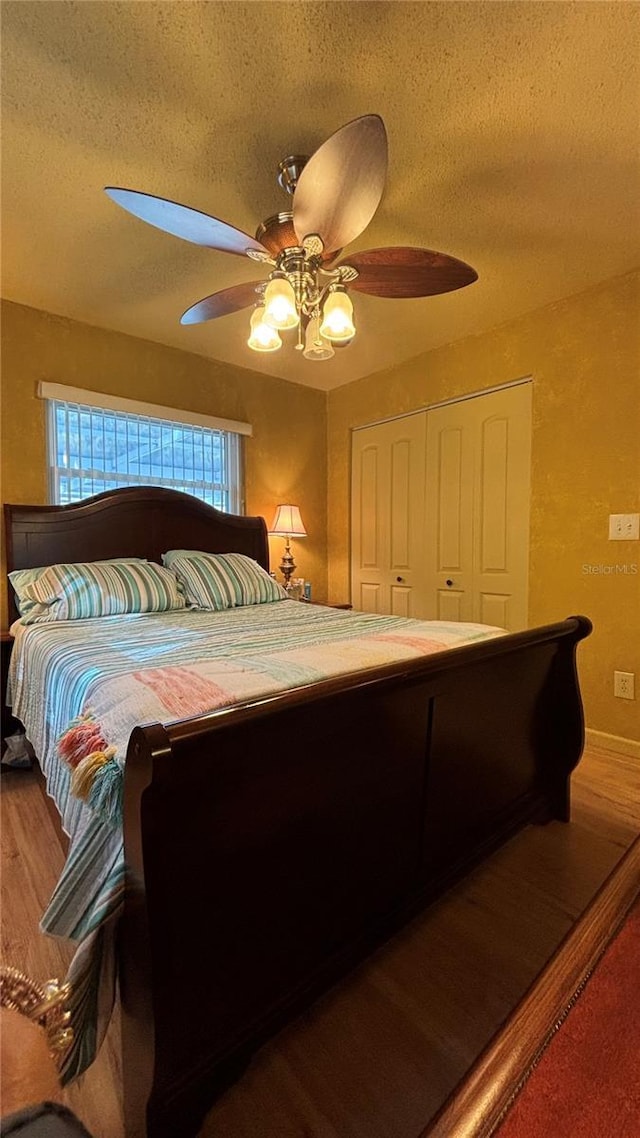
(217, 581)
(101, 588)
(21, 578)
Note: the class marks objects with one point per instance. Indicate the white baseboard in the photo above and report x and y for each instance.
(613, 743)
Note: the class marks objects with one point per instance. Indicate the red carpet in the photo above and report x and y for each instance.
(587, 1083)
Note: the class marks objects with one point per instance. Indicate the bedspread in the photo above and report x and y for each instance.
(126, 671)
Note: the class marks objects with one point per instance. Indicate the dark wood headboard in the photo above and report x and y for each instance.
(142, 521)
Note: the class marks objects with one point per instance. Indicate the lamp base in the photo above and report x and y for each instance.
(287, 565)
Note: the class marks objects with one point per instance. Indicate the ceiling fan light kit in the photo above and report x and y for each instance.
(335, 194)
(337, 316)
(316, 346)
(262, 337)
(280, 303)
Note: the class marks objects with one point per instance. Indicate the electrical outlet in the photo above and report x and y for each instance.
(624, 527)
(624, 685)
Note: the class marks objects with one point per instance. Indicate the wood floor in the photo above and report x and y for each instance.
(375, 1057)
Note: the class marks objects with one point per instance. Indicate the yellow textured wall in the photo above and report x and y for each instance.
(583, 354)
(285, 459)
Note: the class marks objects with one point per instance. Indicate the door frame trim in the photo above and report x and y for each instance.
(445, 403)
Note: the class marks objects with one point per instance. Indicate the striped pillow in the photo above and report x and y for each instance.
(100, 588)
(21, 578)
(217, 581)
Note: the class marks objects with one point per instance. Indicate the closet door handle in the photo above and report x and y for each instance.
(448, 582)
(399, 579)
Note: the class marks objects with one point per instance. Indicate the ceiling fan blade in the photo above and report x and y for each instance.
(400, 271)
(182, 221)
(340, 187)
(221, 303)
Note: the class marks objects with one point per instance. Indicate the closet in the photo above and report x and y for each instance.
(440, 511)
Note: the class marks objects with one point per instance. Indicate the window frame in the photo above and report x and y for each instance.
(230, 488)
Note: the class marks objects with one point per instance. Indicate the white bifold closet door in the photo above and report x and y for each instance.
(387, 517)
(477, 509)
(440, 511)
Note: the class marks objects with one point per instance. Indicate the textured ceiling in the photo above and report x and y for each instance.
(514, 144)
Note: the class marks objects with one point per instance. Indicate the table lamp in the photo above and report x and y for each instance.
(287, 523)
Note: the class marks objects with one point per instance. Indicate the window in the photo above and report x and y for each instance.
(96, 448)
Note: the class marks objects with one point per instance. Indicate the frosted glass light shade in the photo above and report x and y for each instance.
(287, 522)
(280, 304)
(337, 317)
(262, 338)
(315, 346)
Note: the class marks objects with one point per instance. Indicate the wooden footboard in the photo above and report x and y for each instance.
(273, 846)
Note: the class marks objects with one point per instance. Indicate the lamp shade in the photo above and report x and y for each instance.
(263, 337)
(280, 304)
(316, 347)
(288, 523)
(337, 316)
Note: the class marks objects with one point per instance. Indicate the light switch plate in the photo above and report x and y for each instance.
(624, 527)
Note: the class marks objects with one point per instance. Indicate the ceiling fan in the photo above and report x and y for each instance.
(335, 195)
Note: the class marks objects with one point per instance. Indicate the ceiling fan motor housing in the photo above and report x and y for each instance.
(277, 233)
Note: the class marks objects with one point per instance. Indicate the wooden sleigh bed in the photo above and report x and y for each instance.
(272, 846)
